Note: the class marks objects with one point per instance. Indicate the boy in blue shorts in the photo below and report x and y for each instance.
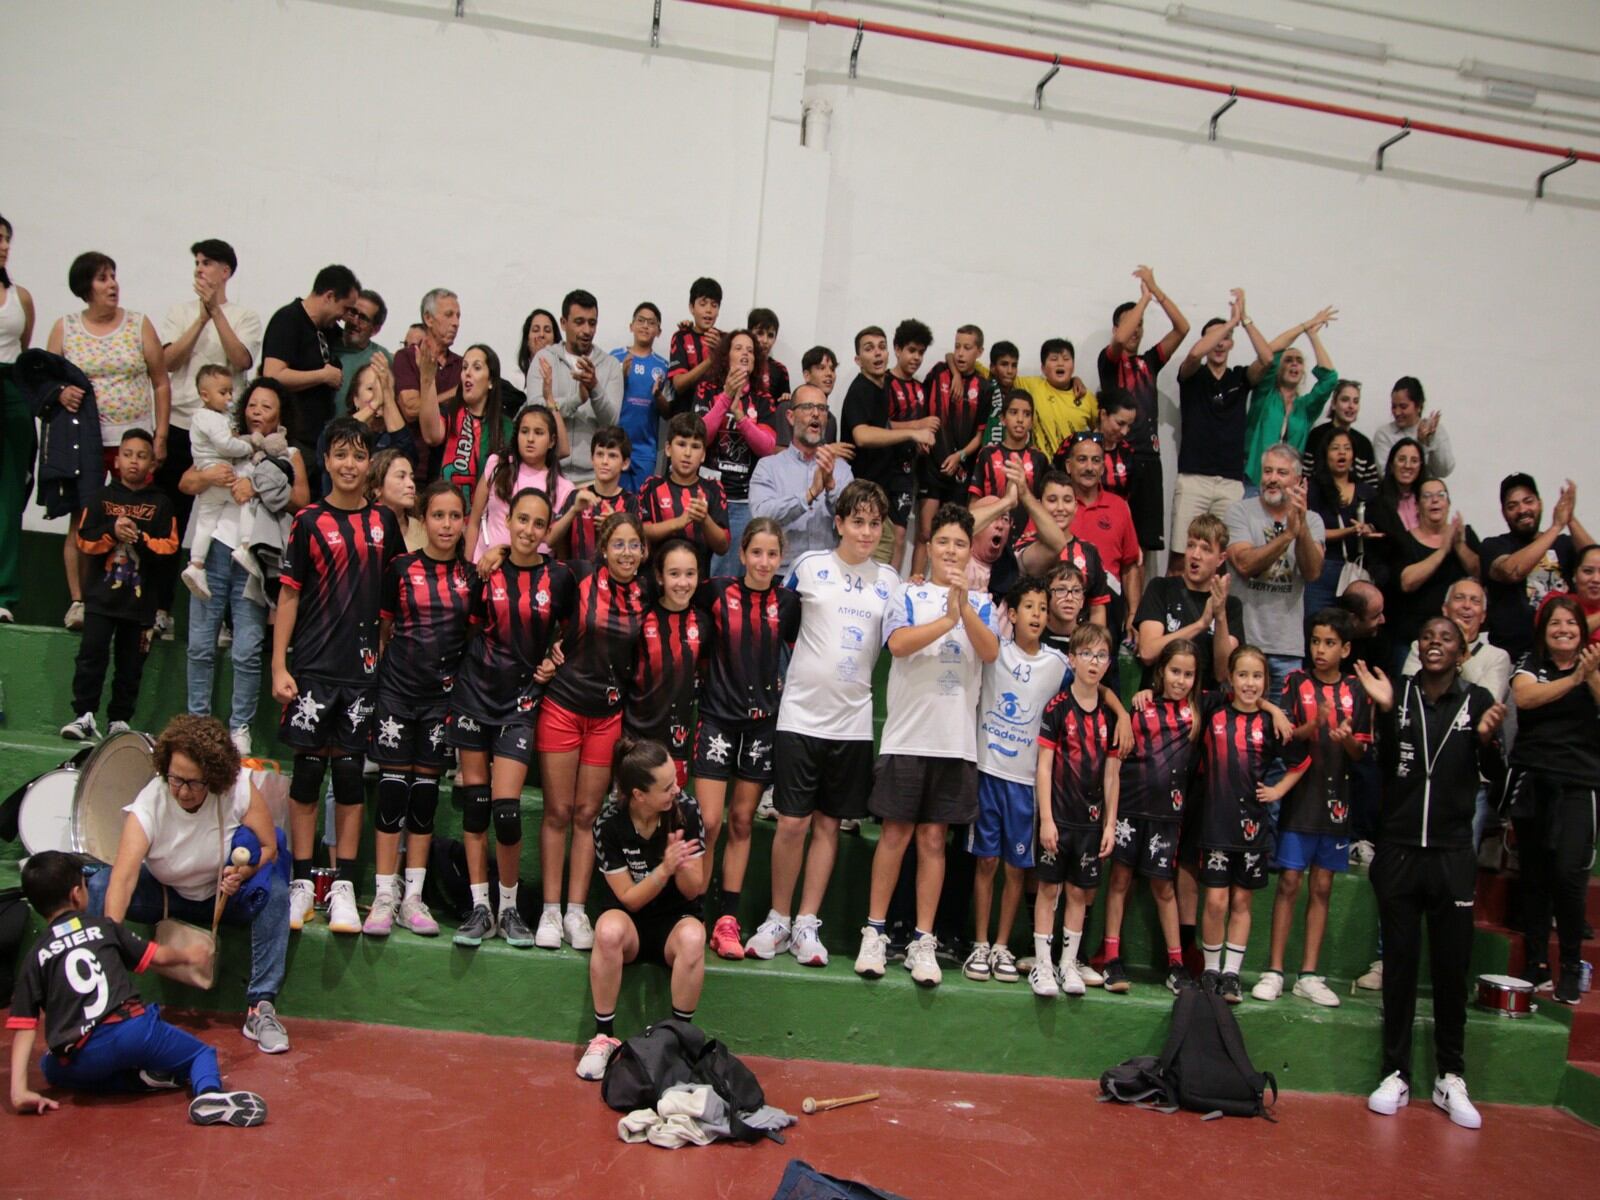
(1330, 710)
(1016, 687)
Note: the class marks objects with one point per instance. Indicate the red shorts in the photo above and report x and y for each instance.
(594, 738)
(681, 766)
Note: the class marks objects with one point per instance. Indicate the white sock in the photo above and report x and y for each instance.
(1041, 947)
(1213, 956)
(414, 878)
(480, 894)
(554, 909)
(1069, 945)
(387, 885)
(508, 897)
(774, 915)
(1233, 959)
(573, 908)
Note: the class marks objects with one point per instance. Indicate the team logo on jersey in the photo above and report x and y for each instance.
(1173, 624)
(717, 749)
(524, 703)
(692, 630)
(334, 538)
(542, 599)
(772, 604)
(756, 714)
(447, 683)
(1185, 713)
(880, 590)
(1177, 800)
(1249, 828)
(1124, 832)
(389, 731)
(822, 575)
(522, 743)
(853, 637)
(733, 602)
(307, 713)
(377, 530)
(613, 697)
(498, 593)
(458, 582)
(1012, 709)
(1258, 737)
(1219, 724)
(1094, 812)
(369, 659)
(680, 735)
(1338, 810)
(417, 576)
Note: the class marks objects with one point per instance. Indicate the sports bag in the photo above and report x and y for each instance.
(1205, 1061)
(674, 1052)
(1139, 1081)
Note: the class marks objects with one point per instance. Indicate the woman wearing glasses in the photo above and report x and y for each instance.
(170, 859)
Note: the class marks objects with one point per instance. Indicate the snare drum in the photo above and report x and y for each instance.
(1506, 995)
(108, 781)
(44, 821)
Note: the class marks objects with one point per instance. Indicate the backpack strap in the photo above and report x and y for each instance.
(1233, 1043)
(1182, 1017)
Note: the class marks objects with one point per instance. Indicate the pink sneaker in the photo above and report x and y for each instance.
(414, 915)
(726, 939)
(380, 918)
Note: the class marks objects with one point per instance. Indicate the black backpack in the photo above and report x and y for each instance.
(1203, 1067)
(674, 1052)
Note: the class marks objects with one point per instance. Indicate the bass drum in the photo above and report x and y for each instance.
(108, 781)
(44, 821)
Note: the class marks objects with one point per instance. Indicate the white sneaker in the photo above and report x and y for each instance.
(1042, 979)
(1450, 1094)
(1270, 986)
(850, 825)
(1391, 1096)
(765, 809)
(1372, 981)
(117, 727)
(592, 1066)
(241, 740)
(343, 916)
(1315, 989)
(770, 939)
(1362, 854)
(224, 637)
(977, 965)
(1002, 964)
(1073, 982)
(6, 616)
(81, 730)
(806, 943)
(1090, 976)
(579, 933)
(194, 578)
(74, 617)
(874, 951)
(548, 935)
(302, 903)
(922, 963)
(164, 628)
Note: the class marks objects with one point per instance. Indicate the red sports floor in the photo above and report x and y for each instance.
(365, 1110)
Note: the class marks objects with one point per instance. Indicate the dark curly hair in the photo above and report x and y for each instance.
(206, 741)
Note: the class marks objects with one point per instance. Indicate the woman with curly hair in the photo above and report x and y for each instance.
(175, 851)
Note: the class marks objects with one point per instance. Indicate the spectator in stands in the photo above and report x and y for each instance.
(296, 354)
(539, 330)
(1105, 522)
(1275, 546)
(1405, 405)
(430, 367)
(1396, 509)
(121, 355)
(1342, 413)
(819, 367)
(1278, 412)
(584, 385)
(644, 404)
(739, 428)
(1341, 500)
(1586, 588)
(881, 443)
(18, 439)
(774, 377)
(174, 852)
(798, 487)
(1424, 562)
(1527, 564)
(470, 427)
(1194, 607)
(1062, 405)
(359, 348)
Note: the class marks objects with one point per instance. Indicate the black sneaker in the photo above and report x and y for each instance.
(477, 928)
(1230, 990)
(1116, 977)
(514, 929)
(1210, 981)
(1178, 978)
(239, 1109)
(1567, 991)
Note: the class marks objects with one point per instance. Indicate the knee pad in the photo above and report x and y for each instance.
(508, 822)
(394, 791)
(305, 785)
(474, 807)
(347, 787)
(424, 802)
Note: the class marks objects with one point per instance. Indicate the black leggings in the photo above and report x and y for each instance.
(1556, 849)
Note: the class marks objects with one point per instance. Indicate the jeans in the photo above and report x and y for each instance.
(1324, 589)
(226, 580)
(727, 563)
(110, 1061)
(269, 930)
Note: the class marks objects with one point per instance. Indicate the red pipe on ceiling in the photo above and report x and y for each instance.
(818, 17)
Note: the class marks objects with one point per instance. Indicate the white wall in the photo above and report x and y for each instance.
(535, 147)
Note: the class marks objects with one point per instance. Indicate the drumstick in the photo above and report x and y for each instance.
(810, 1105)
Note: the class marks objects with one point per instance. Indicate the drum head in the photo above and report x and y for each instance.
(1508, 983)
(45, 819)
(109, 780)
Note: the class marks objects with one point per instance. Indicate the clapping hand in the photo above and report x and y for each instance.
(1376, 684)
(1492, 719)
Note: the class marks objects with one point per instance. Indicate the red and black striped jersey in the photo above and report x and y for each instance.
(662, 499)
(583, 534)
(906, 403)
(598, 642)
(515, 613)
(1081, 554)
(962, 405)
(1320, 802)
(774, 379)
(1136, 375)
(1155, 777)
(1235, 748)
(335, 560)
(428, 604)
(1119, 469)
(688, 352)
(1080, 739)
(989, 472)
(666, 672)
(749, 629)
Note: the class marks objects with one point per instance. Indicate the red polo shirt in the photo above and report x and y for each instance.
(1107, 525)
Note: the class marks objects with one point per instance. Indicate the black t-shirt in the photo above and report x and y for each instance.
(1512, 605)
(1155, 778)
(618, 846)
(748, 632)
(335, 560)
(292, 337)
(583, 534)
(429, 603)
(1136, 375)
(1320, 802)
(1407, 611)
(122, 575)
(663, 499)
(1212, 423)
(867, 403)
(1235, 748)
(1081, 741)
(1560, 740)
(77, 975)
(601, 633)
(1335, 514)
(666, 673)
(516, 613)
(1168, 600)
(1364, 465)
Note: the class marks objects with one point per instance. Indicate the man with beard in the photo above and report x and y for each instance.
(585, 383)
(296, 355)
(359, 348)
(1524, 566)
(799, 486)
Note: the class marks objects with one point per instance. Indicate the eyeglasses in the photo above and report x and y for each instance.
(1093, 657)
(358, 315)
(1435, 495)
(1066, 591)
(1086, 436)
(807, 408)
(177, 783)
(634, 547)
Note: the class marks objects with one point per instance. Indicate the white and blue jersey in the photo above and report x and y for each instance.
(933, 694)
(638, 418)
(1016, 687)
(828, 690)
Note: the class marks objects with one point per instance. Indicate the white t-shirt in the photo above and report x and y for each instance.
(933, 694)
(246, 325)
(1016, 687)
(185, 848)
(828, 690)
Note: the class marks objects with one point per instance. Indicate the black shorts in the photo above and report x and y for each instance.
(1144, 502)
(734, 751)
(900, 503)
(934, 484)
(328, 716)
(821, 775)
(514, 741)
(655, 928)
(1245, 869)
(677, 738)
(409, 735)
(1149, 847)
(926, 790)
(1076, 860)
